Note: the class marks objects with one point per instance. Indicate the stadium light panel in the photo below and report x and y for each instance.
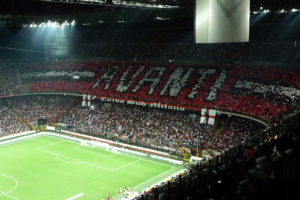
(222, 21)
(162, 18)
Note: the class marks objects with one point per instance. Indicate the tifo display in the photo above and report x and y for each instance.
(265, 94)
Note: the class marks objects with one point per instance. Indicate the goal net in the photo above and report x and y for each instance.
(95, 144)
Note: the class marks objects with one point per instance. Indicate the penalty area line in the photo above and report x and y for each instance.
(75, 196)
(10, 196)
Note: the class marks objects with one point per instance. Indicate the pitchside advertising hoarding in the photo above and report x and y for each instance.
(222, 21)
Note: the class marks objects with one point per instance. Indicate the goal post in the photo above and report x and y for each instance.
(114, 147)
(95, 144)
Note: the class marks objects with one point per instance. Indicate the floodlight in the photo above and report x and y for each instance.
(55, 24)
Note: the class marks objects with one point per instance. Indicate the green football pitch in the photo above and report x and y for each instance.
(50, 168)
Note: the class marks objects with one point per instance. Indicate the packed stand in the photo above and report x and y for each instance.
(32, 108)
(155, 127)
(20, 114)
(265, 93)
(10, 122)
(272, 172)
(263, 169)
(234, 132)
(10, 77)
(220, 53)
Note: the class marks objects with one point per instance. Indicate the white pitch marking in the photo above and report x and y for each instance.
(5, 194)
(15, 180)
(2, 143)
(75, 160)
(113, 170)
(47, 145)
(78, 148)
(90, 164)
(151, 161)
(131, 163)
(126, 155)
(75, 197)
(11, 190)
(149, 180)
(58, 157)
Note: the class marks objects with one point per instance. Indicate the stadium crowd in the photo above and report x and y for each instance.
(244, 52)
(272, 167)
(156, 128)
(10, 121)
(19, 114)
(11, 80)
(32, 108)
(264, 93)
(270, 172)
(234, 134)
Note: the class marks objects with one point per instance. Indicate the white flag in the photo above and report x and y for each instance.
(84, 100)
(88, 100)
(208, 116)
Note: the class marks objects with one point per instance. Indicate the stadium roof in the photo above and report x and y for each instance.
(19, 13)
(61, 6)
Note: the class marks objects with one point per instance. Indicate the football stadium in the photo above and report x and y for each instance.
(149, 99)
